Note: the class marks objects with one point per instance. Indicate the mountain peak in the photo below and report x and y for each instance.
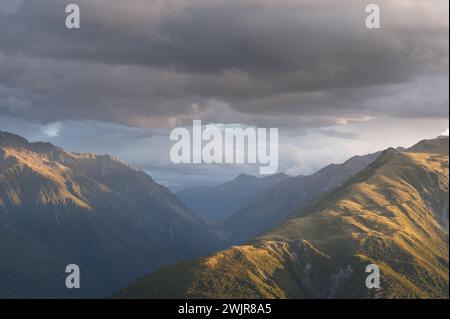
(438, 145)
(15, 141)
(10, 139)
(242, 177)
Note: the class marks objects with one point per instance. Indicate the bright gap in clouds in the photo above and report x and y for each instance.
(302, 152)
(52, 129)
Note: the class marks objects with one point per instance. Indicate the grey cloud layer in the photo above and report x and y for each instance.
(162, 63)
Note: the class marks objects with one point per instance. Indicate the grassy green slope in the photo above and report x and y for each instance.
(393, 214)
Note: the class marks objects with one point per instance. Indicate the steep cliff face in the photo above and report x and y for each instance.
(393, 214)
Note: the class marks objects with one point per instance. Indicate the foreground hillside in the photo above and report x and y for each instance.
(58, 208)
(393, 214)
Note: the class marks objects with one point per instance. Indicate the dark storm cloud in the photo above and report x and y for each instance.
(284, 63)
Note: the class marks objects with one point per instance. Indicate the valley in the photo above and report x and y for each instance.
(275, 237)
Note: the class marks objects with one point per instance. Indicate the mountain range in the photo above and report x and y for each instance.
(215, 203)
(59, 208)
(270, 207)
(294, 237)
(392, 214)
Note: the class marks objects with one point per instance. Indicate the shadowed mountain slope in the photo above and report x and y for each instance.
(214, 203)
(58, 208)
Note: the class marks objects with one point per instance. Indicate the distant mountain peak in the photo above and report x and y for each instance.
(244, 176)
(11, 139)
(224, 199)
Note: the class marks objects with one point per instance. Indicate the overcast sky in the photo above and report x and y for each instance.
(138, 68)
